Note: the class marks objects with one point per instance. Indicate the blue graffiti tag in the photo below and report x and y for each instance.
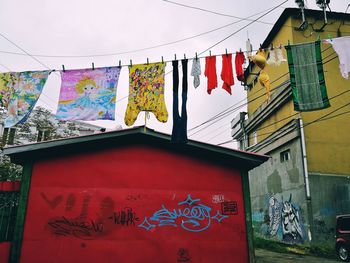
(195, 217)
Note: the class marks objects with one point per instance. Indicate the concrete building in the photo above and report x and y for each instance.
(297, 193)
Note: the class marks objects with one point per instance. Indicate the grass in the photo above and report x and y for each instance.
(300, 249)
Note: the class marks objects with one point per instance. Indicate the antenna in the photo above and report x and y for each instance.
(323, 4)
(304, 24)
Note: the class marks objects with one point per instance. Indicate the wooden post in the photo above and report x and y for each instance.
(21, 214)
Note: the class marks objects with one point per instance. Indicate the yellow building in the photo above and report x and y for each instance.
(308, 175)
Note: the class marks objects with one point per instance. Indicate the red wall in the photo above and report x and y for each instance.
(101, 207)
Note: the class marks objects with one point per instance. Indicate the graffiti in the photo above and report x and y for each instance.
(183, 255)
(218, 199)
(70, 202)
(291, 228)
(53, 202)
(194, 216)
(229, 208)
(125, 217)
(70, 227)
(134, 197)
(274, 216)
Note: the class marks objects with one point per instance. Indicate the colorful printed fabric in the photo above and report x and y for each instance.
(146, 92)
(25, 91)
(8, 81)
(88, 94)
(307, 77)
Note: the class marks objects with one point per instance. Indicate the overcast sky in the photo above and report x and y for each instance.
(86, 27)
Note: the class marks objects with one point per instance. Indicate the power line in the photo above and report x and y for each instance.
(227, 111)
(140, 49)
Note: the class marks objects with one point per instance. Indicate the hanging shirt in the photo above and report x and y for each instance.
(146, 92)
(196, 71)
(210, 73)
(25, 93)
(88, 94)
(341, 45)
(307, 77)
(276, 57)
(239, 61)
(279, 56)
(227, 72)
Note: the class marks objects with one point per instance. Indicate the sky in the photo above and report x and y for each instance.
(76, 33)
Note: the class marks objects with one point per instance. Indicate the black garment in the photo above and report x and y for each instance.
(179, 133)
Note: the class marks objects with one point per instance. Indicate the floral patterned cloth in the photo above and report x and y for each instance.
(88, 94)
(23, 91)
(146, 92)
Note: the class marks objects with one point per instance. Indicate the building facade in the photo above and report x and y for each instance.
(297, 194)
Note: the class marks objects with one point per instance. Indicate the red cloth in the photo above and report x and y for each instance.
(239, 60)
(210, 73)
(227, 72)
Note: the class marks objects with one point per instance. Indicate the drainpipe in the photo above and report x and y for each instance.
(303, 152)
(306, 180)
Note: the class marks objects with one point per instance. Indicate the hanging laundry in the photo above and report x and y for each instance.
(146, 92)
(249, 47)
(239, 61)
(264, 79)
(210, 73)
(276, 57)
(179, 132)
(341, 45)
(307, 77)
(196, 71)
(25, 93)
(88, 94)
(279, 56)
(227, 73)
(8, 81)
(272, 60)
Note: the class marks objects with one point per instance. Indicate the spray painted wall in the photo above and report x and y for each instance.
(278, 196)
(134, 204)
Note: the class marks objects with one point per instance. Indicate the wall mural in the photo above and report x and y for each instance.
(281, 220)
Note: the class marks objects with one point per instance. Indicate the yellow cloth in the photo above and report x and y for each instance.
(8, 81)
(146, 92)
(264, 80)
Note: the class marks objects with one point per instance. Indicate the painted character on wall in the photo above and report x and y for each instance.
(274, 216)
(291, 228)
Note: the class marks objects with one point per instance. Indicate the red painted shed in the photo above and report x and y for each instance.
(132, 196)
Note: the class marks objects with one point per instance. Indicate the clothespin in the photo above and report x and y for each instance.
(260, 49)
(64, 70)
(280, 46)
(240, 50)
(175, 57)
(184, 56)
(120, 63)
(93, 66)
(196, 56)
(209, 53)
(162, 60)
(271, 46)
(147, 61)
(226, 51)
(130, 62)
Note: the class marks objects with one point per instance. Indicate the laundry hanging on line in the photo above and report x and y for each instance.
(239, 61)
(146, 92)
(275, 56)
(25, 89)
(179, 131)
(196, 71)
(88, 94)
(341, 45)
(307, 77)
(227, 73)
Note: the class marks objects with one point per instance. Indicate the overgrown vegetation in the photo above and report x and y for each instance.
(301, 249)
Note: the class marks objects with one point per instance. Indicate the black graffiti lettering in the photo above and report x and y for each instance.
(229, 208)
(126, 217)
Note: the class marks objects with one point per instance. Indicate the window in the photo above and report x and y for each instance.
(285, 156)
(8, 136)
(43, 135)
(344, 223)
